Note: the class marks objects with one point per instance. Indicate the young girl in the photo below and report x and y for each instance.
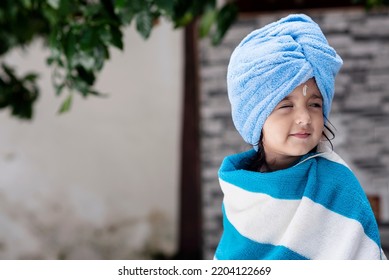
(291, 197)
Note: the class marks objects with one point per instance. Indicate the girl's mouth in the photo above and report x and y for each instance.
(301, 135)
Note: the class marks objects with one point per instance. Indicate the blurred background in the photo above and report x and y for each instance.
(100, 181)
(133, 174)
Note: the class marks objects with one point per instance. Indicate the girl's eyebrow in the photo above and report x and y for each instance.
(313, 96)
(316, 96)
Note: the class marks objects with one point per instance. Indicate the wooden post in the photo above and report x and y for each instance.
(190, 192)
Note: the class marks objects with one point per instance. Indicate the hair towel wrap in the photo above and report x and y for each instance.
(270, 63)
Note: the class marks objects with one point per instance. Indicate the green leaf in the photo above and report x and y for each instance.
(206, 22)
(225, 18)
(66, 105)
(86, 59)
(119, 4)
(81, 86)
(87, 76)
(184, 20)
(100, 54)
(54, 3)
(50, 60)
(165, 5)
(52, 17)
(9, 71)
(91, 10)
(59, 88)
(30, 77)
(69, 44)
(27, 4)
(125, 10)
(116, 37)
(199, 6)
(18, 94)
(144, 23)
(111, 35)
(66, 8)
(88, 38)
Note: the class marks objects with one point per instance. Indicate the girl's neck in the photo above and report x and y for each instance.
(274, 163)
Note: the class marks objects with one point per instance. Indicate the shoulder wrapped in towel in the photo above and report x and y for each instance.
(323, 213)
(270, 63)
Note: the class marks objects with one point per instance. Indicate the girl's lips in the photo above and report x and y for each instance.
(302, 135)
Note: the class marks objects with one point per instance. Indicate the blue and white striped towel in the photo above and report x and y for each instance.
(313, 210)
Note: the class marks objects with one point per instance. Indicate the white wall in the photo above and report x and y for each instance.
(101, 181)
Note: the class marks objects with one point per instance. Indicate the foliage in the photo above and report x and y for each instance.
(18, 93)
(79, 35)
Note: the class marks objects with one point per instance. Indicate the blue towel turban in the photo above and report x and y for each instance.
(270, 63)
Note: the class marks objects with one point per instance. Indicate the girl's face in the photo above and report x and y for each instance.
(295, 126)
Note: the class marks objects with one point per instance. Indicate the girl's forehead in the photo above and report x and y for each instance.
(308, 89)
(305, 95)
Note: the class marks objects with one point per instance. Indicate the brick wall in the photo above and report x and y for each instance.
(360, 111)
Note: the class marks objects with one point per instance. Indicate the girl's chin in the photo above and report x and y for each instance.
(300, 152)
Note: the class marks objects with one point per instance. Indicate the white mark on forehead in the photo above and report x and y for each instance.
(305, 90)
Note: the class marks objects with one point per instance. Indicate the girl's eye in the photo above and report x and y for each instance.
(283, 106)
(316, 105)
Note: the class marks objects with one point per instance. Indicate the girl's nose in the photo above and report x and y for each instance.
(303, 117)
